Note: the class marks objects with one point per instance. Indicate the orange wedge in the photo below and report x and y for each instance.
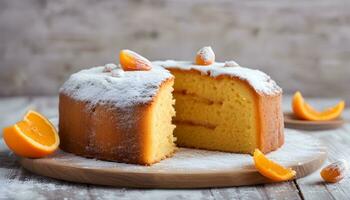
(33, 137)
(305, 111)
(131, 61)
(271, 169)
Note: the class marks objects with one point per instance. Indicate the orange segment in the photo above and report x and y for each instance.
(270, 169)
(131, 61)
(205, 56)
(305, 111)
(33, 137)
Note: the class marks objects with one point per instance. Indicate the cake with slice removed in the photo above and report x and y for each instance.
(125, 113)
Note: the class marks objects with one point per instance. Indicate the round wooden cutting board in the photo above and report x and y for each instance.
(188, 168)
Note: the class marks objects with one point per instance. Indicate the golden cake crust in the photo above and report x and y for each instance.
(96, 132)
(107, 113)
(271, 122)
(103, 131)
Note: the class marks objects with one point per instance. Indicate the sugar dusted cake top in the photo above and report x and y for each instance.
(110, 83)
(261, 82)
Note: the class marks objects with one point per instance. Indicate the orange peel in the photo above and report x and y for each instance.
(270, 169)
(305, 111)
(131, 61)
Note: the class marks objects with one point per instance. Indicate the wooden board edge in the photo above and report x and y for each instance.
(164, 180)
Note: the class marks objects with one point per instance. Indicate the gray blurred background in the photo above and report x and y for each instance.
(303, 45)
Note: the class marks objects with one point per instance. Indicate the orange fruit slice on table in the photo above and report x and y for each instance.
(270, 169)
(305, 111)
(33, 137)
(131, 61)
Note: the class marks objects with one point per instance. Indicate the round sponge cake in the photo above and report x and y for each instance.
(129, 116)
(111, 114)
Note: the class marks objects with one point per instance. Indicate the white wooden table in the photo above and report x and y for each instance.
(17, 183)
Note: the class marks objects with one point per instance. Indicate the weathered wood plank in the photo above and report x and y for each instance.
(287, 190)
(29, 186)
(17, 183)
(98, 192)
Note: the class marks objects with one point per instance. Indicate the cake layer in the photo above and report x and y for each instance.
(195, 109)
(195, 123)
(204, 138)
(259, 81)
(231, 109)
(232, 114)
(163, 140)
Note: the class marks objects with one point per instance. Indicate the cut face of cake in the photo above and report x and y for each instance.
(226, 107)
(111, 114)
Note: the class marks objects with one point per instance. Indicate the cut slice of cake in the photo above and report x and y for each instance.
(226, 107)
(111, 114)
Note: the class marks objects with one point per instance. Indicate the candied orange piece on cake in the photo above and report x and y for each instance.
(131, 61)
(205, 56)
(305, 111)
(33, 137)
(270, 169)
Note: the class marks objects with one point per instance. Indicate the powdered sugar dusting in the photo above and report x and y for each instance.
(298, 149)
(111, 84)
(206, 54)
(260, 81)
(118, 73)
(231, 63)
(35, 187)
(109, 67)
